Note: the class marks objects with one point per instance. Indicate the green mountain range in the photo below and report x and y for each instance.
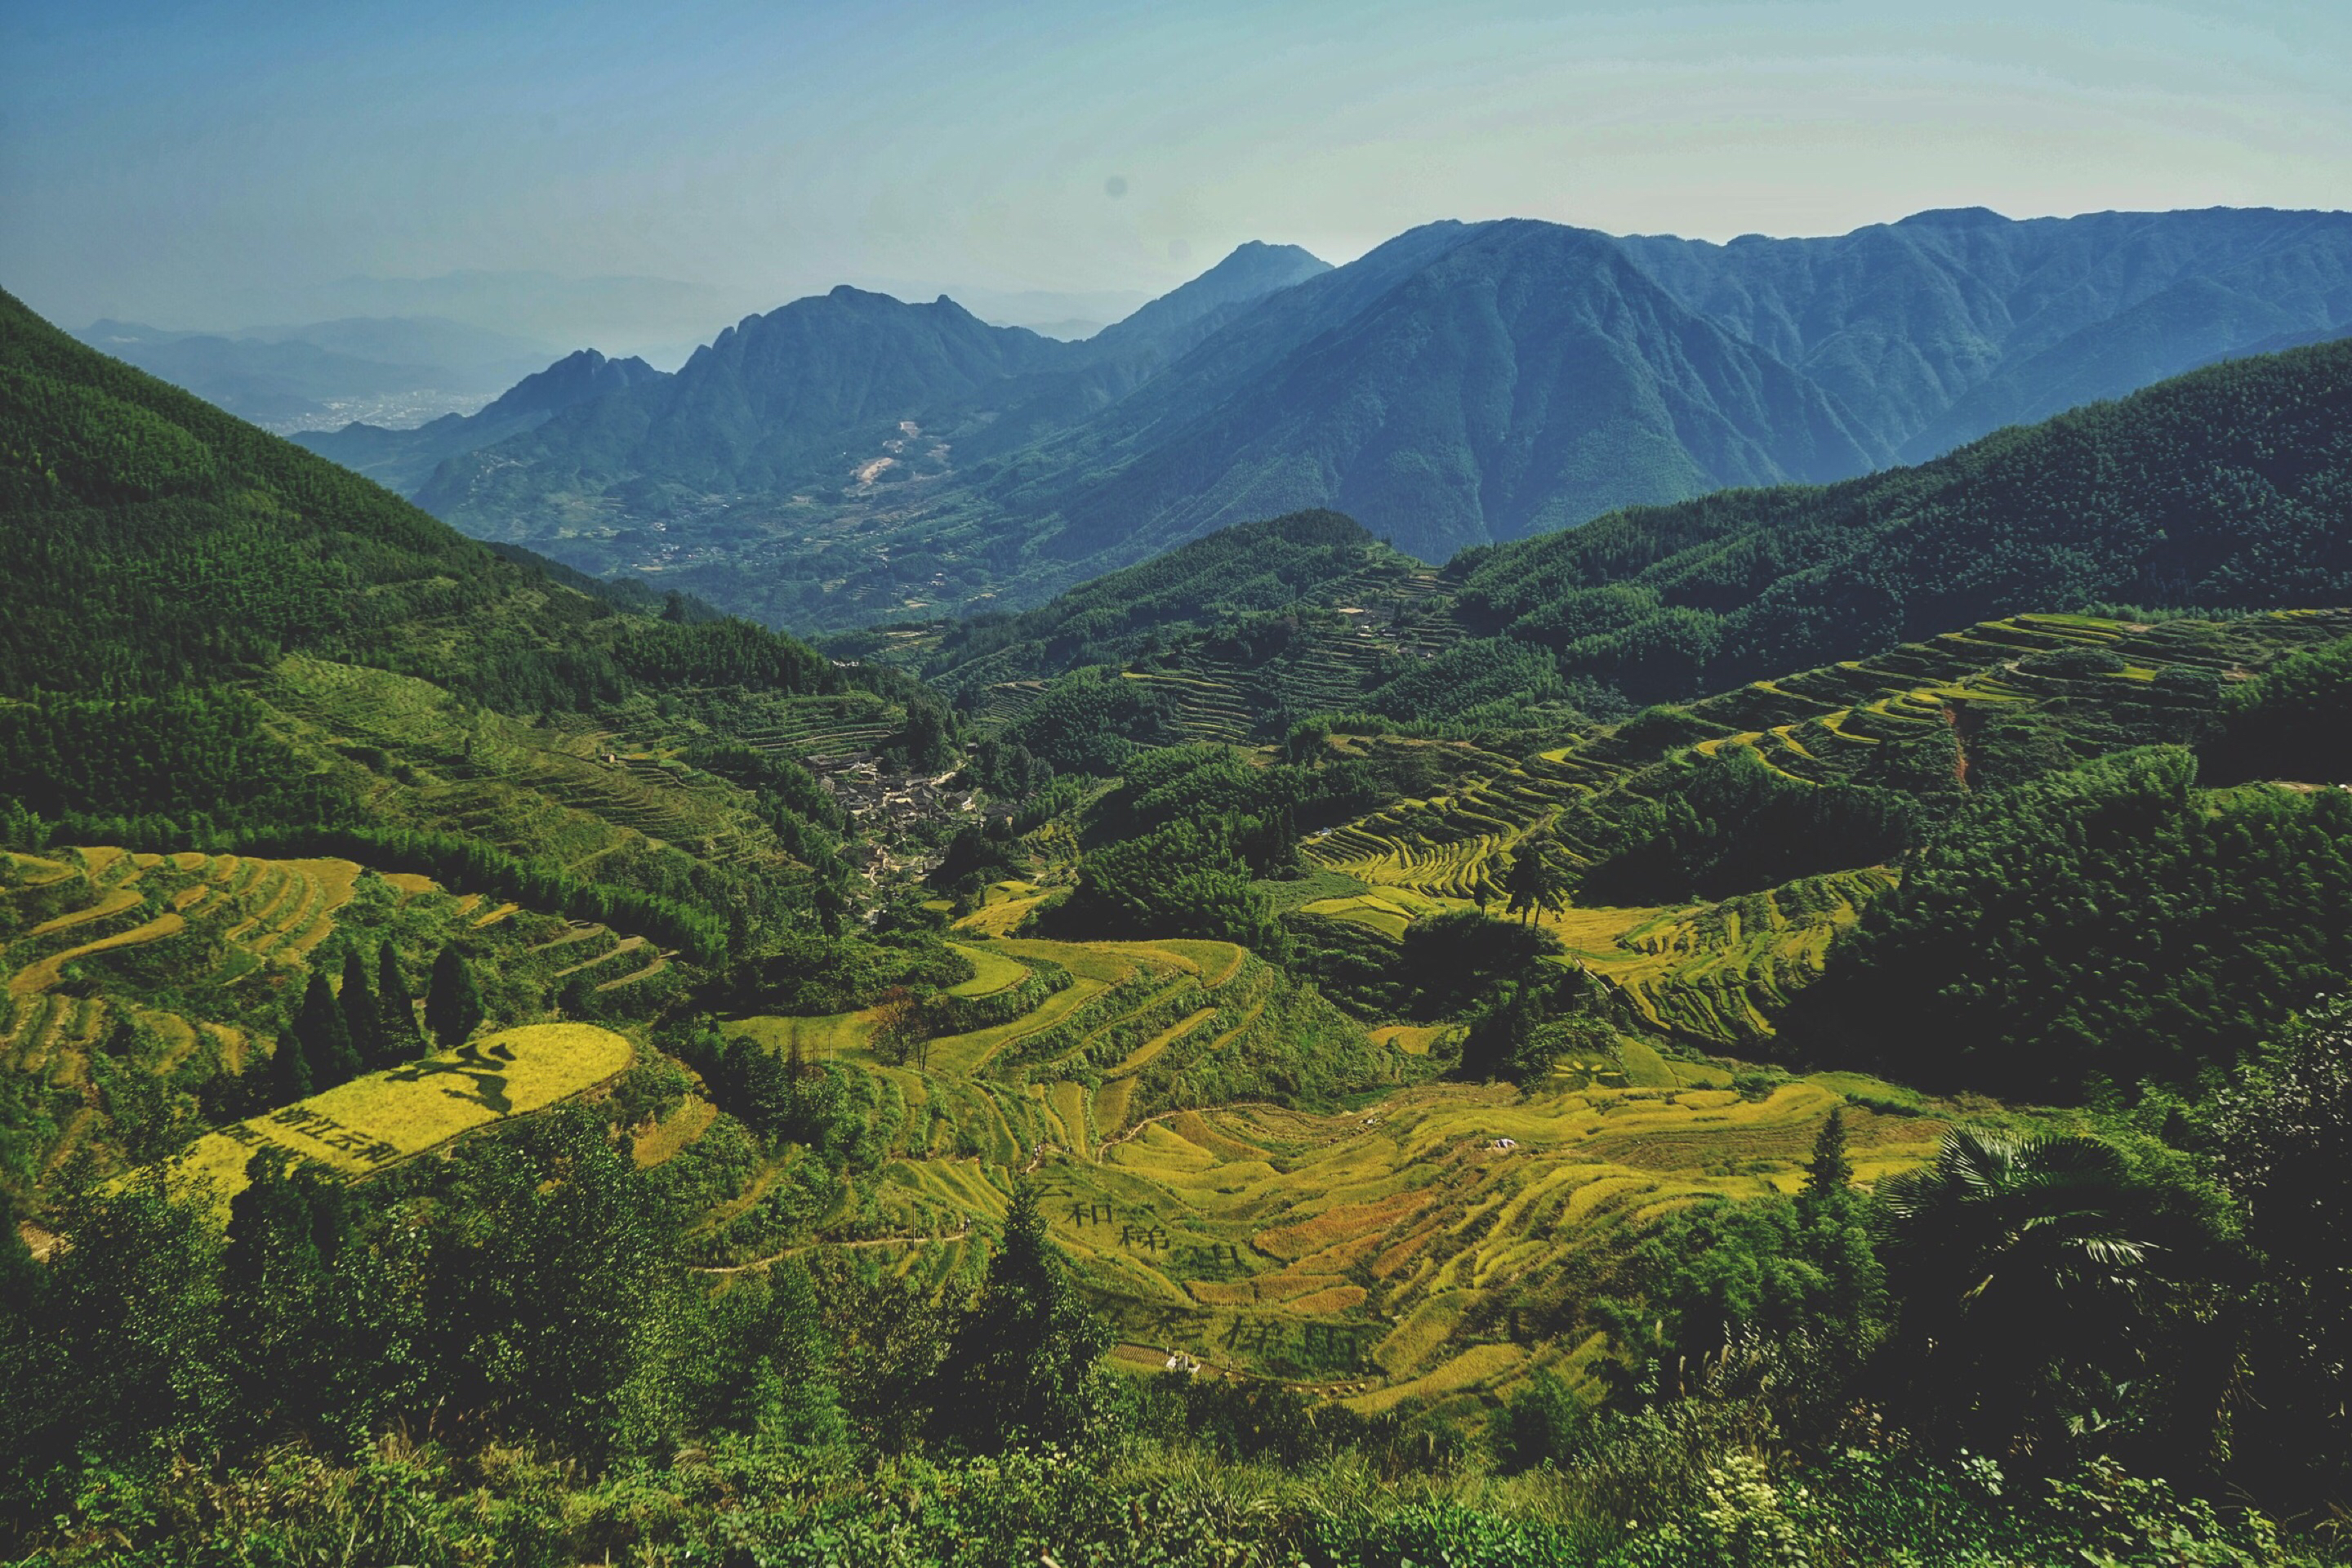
(402, 459)
(850, 458)
(222, 637)
(2222, 489)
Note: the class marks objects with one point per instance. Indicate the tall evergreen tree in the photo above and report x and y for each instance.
(359, 1017)
(289, 1069)
(326, 1039)
(1022, 1358)
(1829, 1177)
(807, 1408)
(763, 1362)
(20, 1273)
(396, 1008)
(453, 1008)
(283, 1230)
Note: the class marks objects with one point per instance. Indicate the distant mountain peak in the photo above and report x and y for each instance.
(1249, 272)
(1953, 217)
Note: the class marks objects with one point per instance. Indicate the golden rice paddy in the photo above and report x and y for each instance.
(379, 1119)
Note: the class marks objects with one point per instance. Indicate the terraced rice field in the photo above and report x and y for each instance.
(201, 955)
(1371, 1253)
(265, 913)
(1346, 645)
(1709, 973)
(852, 724)
(377, 1121)
(1376, 1255)
(991, 971)
(1356, 1253)
(1808, 727)
(570, 796)
(1714, 972)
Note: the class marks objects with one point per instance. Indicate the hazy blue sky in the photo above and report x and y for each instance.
(215, 163)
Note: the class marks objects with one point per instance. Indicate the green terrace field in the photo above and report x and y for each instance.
(1222, 684)
(1920, 716)
(1821, 726)
(1709, 973)
(137, 985)
(591, 800)
(1427, 1242)
(838, 727)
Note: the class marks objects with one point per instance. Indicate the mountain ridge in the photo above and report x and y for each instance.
(2221, 491)
(402, 460)
(1458, 385)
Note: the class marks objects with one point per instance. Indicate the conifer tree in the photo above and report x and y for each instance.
(1023, 1358)
(770, 1092)
(283, 1234)
(396, 1008)
(1829, 1177)
(359, 1019)
(453, 1010)
(326, 1039)
(289, 1069)
(805, 1408)
(20, 1274)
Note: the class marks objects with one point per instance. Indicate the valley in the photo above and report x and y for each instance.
(831, 786)
(1278, 1007)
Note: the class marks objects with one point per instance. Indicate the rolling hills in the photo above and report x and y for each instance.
(2220, 489)
(1710, 852)
(221, 636)
(1378, 1255)
(735, 1158)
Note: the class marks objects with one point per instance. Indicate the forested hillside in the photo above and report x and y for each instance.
(2221, 490)
(494, 1069)
(219, 634)
(1228, 583)
(2224, 489)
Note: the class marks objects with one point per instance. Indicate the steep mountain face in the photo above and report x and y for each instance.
(1524, 379)
(761, 400)
(1246, 347)
(851, 458)
(1130, 353)
(1178, 319)
(1945, 326)
(402, 460)
(774, 401)
(2222, 491)
(2230, 488)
